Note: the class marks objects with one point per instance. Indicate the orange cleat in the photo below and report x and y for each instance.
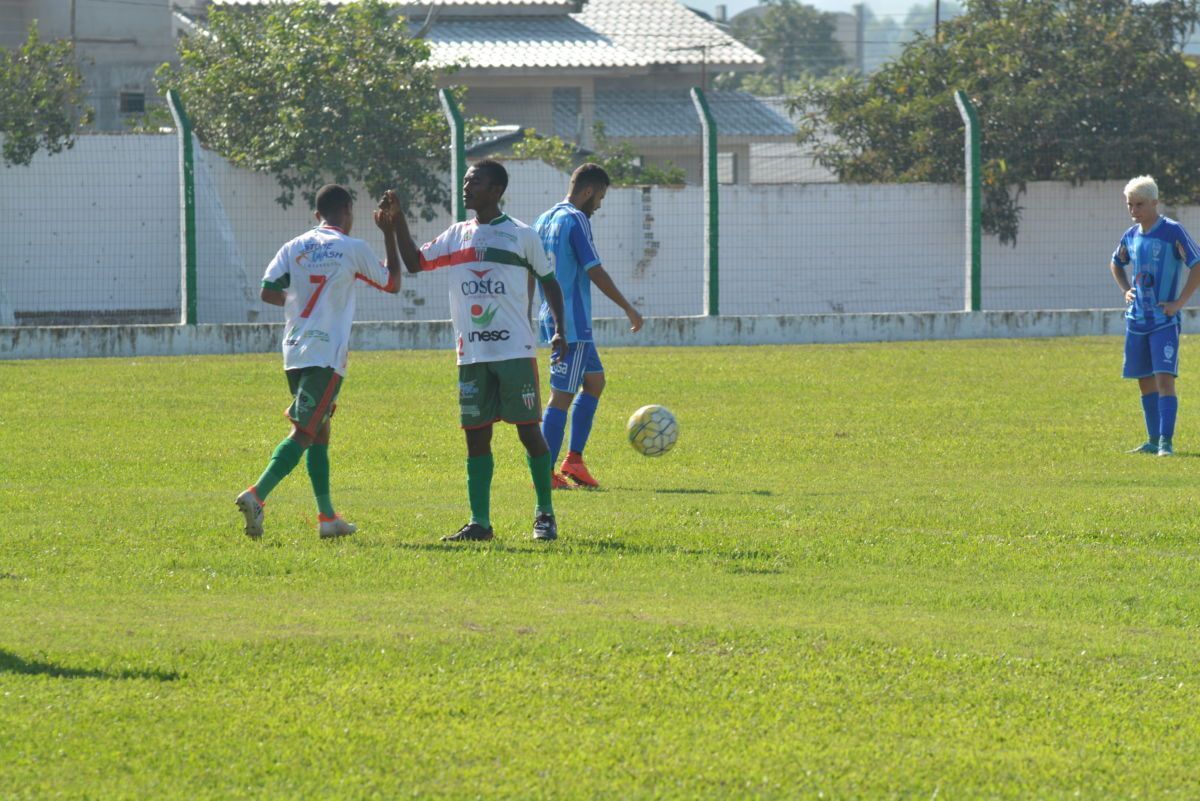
(574, 469)
(559, 482)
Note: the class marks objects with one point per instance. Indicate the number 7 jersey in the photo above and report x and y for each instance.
(317, 272)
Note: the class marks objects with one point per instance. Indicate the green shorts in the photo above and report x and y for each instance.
(505, 390)
(314, 397)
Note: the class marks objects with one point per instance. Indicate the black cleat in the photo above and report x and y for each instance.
(471, 532)
(544, 527)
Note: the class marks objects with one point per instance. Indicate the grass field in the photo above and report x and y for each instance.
(918, 570)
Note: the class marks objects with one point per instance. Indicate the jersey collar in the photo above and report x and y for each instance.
(333, 228)
(501, 219)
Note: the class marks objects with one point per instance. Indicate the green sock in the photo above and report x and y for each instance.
(283, 461)
(479, 488)
(318, 473)
(540, 468)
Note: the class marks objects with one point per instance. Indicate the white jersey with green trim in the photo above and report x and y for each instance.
(317, 272)
(489, 298)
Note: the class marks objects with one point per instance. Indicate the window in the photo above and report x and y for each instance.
(133, 102)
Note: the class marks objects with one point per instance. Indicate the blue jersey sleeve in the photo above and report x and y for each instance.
(1120, 256)
(581, 242)
(1186, 247)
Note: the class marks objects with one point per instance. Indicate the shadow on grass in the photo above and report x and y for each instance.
(740, 561)
(11, 663)
(693, 491)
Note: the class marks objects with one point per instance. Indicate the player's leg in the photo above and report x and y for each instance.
(313, 393)
(1164, 354)
(545, 527)
(479, 408)
(583, 412)
(565, 377)
(329, 522)
(1138, 366)
(520, 404)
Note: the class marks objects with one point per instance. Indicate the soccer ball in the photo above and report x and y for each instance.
(652, 430)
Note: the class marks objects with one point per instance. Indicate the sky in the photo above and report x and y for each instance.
(881, 8)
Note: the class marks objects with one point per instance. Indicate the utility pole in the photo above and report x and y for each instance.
(860, 35)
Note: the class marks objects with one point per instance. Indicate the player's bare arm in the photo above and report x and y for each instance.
(385, 221)
(604, 283)
(404, 242)
(554, 299)
(1118, 273)
(1172, 308)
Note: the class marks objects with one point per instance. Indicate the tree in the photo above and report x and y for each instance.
(41, 98)
(618, 159)
(310, 95)
(796, 40)
(1072, 90)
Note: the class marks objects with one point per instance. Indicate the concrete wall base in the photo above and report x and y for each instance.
(53, 342)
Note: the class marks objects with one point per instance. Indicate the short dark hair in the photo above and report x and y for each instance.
(333, 200)
(589, 174)
(495, 172)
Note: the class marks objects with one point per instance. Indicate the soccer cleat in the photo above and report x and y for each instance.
(1145, 447)
(335, 526)
(471, 532)
(1165, 448)
(559, 482)
(544, 527)
(573, 468)
(252, 509)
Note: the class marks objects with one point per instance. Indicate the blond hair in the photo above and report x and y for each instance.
(1143, 186)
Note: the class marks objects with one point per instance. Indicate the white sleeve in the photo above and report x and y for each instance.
(367, 264)
(535, 252)
(278, 274)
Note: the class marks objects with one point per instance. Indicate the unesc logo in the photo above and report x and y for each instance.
(483, 318)
(488, 336)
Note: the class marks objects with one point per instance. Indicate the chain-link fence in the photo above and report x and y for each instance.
(93, 235)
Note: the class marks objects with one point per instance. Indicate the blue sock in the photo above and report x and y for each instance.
(1168, 405)
(554, 424)
(583, 411)
(1150, 410)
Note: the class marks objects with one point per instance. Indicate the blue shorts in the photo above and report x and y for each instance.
(1149, 354)
(567, 375)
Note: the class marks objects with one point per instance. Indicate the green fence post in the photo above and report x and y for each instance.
(974, 208)
(712, 209)
(458, 151)
(187, 199)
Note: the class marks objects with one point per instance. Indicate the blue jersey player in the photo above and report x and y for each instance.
(1160, 255)
(566, 232)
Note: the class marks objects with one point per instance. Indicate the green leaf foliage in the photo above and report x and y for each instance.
(41, 98)
(312, 94)
(1066, 91)
(619, 160)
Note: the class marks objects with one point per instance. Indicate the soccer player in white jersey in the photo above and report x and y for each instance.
(313, 278)
(1160, 254)
(566, 232)
(489, 258)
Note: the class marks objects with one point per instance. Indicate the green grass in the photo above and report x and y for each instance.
(866, 571)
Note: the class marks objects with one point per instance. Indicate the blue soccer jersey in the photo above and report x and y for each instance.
(1157, 259)
(567, 236)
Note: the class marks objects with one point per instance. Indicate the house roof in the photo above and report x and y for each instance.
(531, 42)
(671, 114)
(666, 32)
(629, 34)
(539, 34)
(452, 8)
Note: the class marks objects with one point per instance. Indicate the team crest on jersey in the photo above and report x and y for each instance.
(1168, 352)
(1156, 249)
(529, 396)
(481, 253)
